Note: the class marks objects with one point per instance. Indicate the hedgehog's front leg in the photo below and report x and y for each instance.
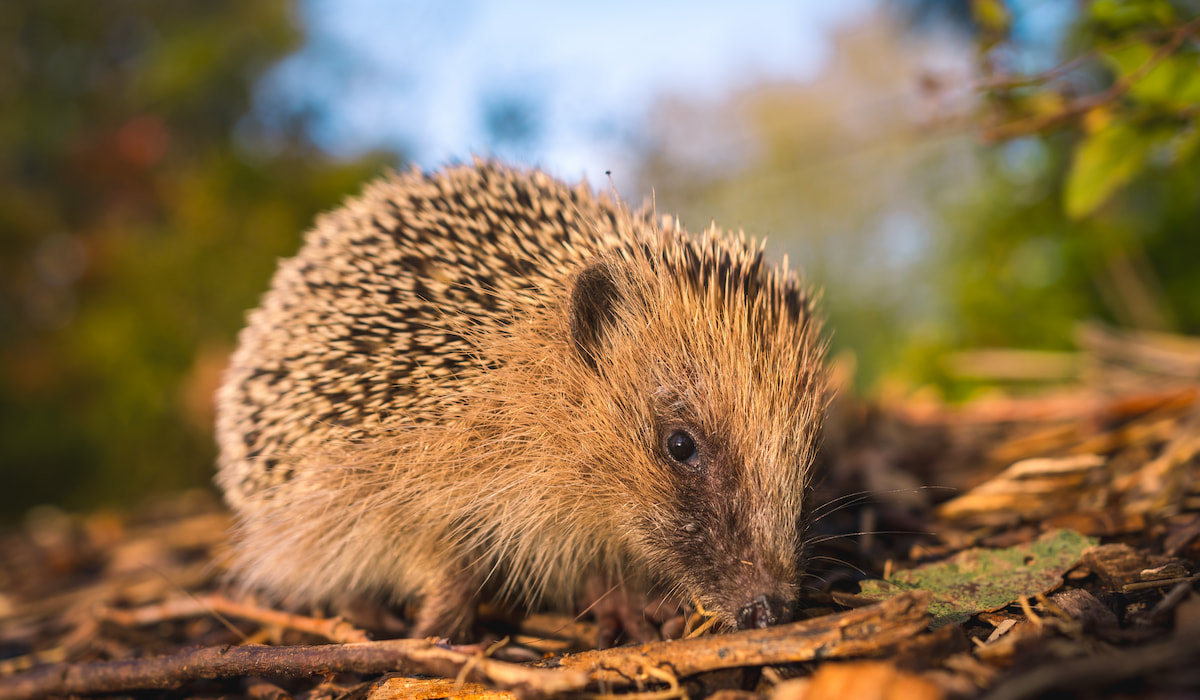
(448, 606)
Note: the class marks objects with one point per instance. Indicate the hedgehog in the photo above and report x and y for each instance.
(485, 385)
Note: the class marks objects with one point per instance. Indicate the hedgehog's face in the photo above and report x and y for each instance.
(721, 407)
(721, 532)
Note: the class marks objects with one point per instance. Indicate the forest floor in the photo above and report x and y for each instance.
(1034, 543)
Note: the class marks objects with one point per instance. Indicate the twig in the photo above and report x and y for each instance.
(334, 629)
(1046, 76)
(461, 677)
(408, 655)
(187, 577)
(852, 633)
(1051, 74)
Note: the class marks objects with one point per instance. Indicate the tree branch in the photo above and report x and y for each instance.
(1040, 122)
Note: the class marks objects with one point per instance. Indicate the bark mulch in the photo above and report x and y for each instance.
(1042, 540)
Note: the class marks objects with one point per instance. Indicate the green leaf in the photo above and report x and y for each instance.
(1124, 14)
(981, 580)
(1173, 83)
(1104, 162)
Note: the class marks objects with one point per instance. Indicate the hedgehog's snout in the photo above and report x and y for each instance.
(764, 611)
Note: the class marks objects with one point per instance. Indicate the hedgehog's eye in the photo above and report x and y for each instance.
(681, 446)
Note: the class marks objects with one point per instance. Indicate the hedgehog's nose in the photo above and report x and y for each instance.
(763, 611)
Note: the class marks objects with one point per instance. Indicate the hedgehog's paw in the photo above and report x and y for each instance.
(624, 614)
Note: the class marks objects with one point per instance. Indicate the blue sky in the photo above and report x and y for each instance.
(577, 79)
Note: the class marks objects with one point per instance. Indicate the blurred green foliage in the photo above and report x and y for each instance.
(993, 210)
(141, 213)
(1090, 204)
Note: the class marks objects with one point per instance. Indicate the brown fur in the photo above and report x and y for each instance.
(461, 385)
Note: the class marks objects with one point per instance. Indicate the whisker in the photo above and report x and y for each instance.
(840, 502)
(827, 538)
(840, 561)
(850, 500)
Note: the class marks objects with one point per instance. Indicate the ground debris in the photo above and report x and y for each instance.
(1062, 526)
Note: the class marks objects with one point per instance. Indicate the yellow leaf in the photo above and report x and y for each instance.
(991, 16)
(1096, 119)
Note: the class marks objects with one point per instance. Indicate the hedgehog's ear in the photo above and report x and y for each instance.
(593, 310)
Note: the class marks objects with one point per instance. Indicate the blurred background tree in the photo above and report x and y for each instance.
(141, 211)
(955, 178)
